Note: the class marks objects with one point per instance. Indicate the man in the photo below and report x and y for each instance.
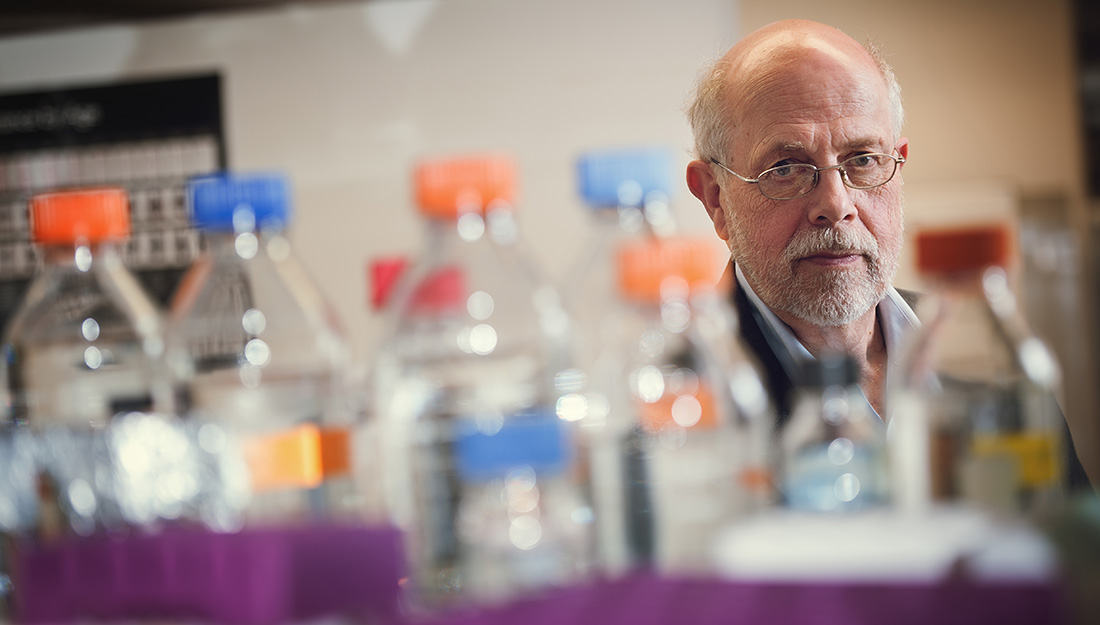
(821, 262)
(799, 147)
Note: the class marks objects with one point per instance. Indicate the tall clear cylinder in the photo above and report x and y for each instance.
(679, 428)
(974, 411)
(86, 342)
(476, 347)
(261, 354)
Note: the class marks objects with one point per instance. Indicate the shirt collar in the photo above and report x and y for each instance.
(896, 319)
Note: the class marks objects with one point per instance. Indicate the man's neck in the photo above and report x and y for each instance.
(862, 339)
(857, 338)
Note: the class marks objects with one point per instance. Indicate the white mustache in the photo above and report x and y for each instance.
(831, 241)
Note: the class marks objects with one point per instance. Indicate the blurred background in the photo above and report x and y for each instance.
(345, 96)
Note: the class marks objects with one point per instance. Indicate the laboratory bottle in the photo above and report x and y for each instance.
(83, 359)
(974, 420)
(516, 522)
(833, 449)
(626, 192)
(86, 342)
(681, 446)
(473, 341)
(260, 353)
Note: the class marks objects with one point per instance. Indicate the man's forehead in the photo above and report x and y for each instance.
(791, 78)
(764, 53)
(793, 38)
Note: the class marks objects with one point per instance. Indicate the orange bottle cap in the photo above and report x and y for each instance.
(952, 250)
(447, 187)
(66, 217)
(645, 265)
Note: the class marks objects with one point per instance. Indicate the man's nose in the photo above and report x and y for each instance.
(831, 202)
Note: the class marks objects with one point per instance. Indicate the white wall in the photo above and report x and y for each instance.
(345, 97)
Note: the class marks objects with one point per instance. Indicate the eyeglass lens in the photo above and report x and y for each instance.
(863, 171)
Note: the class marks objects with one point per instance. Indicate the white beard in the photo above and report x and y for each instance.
(829, 296)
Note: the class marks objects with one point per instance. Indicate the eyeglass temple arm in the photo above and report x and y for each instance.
(742, 178)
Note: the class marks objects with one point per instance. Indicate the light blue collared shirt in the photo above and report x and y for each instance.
(896, 319)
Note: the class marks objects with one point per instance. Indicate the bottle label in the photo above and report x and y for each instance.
(689, 409)
(1035, 455)
(301, 457)
(336, 453)
(289, 458)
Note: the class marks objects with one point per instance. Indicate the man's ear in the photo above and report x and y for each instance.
(903, 149)
(700, 180)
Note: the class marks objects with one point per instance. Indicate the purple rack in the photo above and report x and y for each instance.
(650, 600)
(251, 577)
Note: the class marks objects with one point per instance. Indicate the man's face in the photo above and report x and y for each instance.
(828, 257)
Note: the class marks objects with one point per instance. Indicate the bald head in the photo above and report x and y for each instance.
(769, 56)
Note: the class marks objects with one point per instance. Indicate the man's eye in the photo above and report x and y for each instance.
(863, 161)
(785, 170)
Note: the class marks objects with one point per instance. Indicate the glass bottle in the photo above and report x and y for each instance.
(516, 524)
(627, 194)
(833, 449)
(86, 341)
(684, 447)
(261, 353)
(973, 412)
(84, 359)
(474, 341)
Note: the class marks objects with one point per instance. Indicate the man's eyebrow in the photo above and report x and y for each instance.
(789, 148)
(798, 148)
(868, 142)
(792, 148)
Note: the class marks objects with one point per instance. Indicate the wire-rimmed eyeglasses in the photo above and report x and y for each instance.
(788, 182)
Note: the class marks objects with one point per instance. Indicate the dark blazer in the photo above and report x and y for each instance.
(781, 372)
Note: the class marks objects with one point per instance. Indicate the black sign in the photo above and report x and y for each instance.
(128, 111)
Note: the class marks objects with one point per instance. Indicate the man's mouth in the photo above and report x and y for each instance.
(833, 259)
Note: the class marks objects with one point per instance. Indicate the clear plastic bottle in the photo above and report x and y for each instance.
(473, 342)
(262, 355)
(86, 343)
(627, 193)
(685, 444)
(833, 449)
(973, 412)
(516, 524)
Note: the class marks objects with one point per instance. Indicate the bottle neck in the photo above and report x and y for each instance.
(247, 245)
(79, 255)
(965, 283)
(497, 226)
(990, 285)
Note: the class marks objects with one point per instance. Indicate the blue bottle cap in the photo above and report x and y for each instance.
(538, 441)
(611, 178)
(240, 202)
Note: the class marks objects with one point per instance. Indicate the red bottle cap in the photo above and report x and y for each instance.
(90, 215)
(952, 250)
